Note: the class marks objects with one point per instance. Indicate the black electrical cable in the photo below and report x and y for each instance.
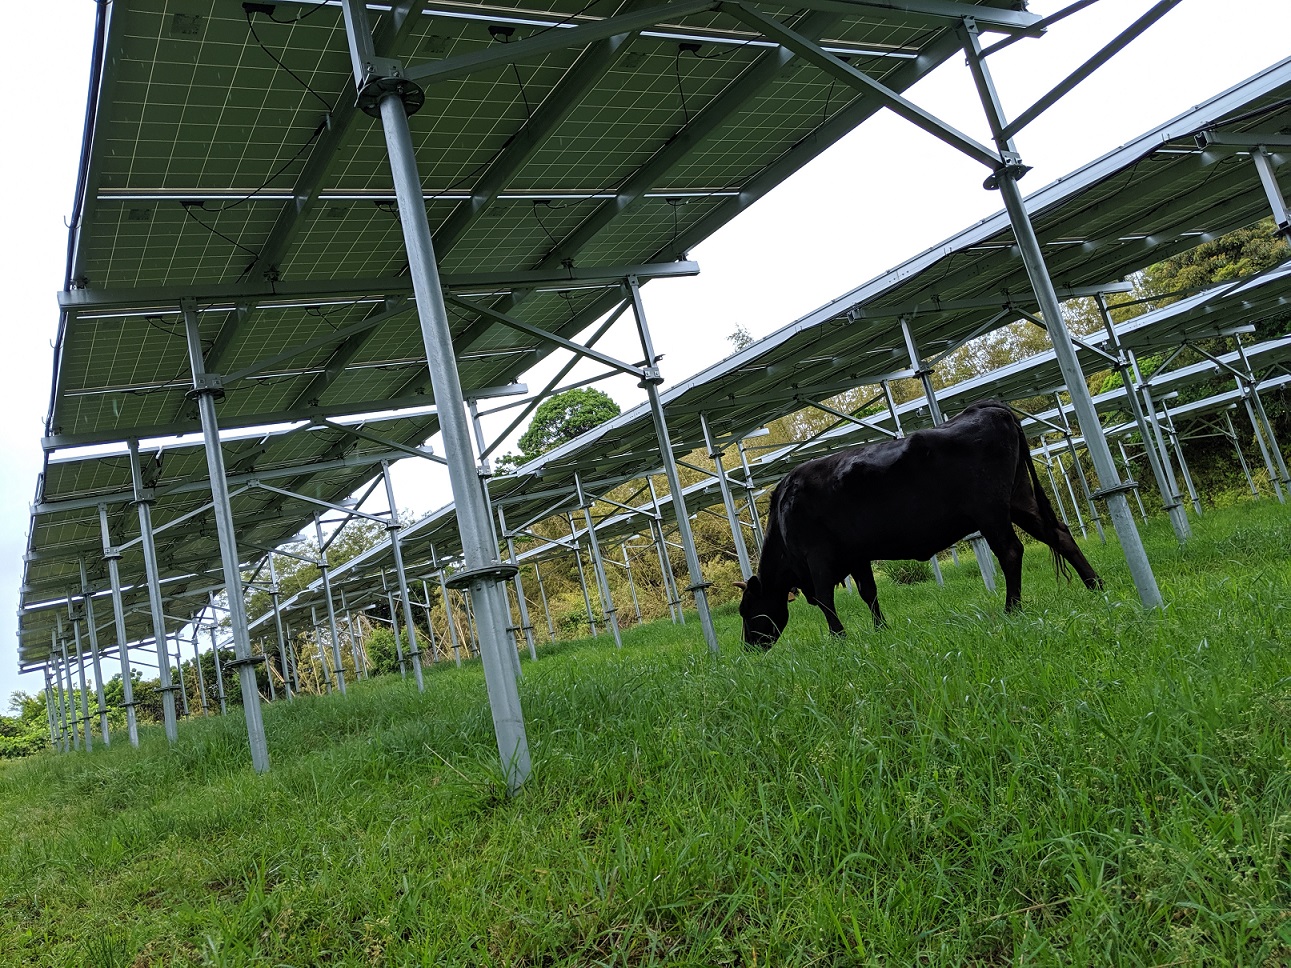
(331, 108)
(188, 210)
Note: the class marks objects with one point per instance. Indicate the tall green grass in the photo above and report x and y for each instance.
(1079, 783)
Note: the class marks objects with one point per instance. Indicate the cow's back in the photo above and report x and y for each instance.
(905, 498)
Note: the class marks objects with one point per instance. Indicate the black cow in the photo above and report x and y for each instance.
(907, 498)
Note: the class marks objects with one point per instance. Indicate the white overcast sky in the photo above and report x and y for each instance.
(880, 196)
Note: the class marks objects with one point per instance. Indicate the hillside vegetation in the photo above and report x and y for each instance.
(1082, 783)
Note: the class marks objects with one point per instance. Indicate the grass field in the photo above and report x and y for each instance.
(1082, 783)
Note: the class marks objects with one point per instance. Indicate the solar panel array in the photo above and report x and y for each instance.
(256, 189)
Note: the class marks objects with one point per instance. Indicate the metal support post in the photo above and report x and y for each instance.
(665, 563)
(113, 557)
(273, 690)
(598, 563)
(201, 675)
(85, 691)
(394, 631)
(349, 634)
(981, 551)
(1053, 486)
(483, 472)
(732, 516)
(698, 587)
(338, 668)
(542, 592)
(392, 531)
(448, 609)
(750, 494)
(64, 736)
(1005, 178)
(179, 672)
(219, 669)
(483, 572)
(1264, 417)
(294, 658)
(1177, 443)
(318, 643)
(582, 575)
(1071, 493)
(1259, 440)
(1080, 471)
(632, 585)
(1129, 472)
(207, 388)
(55, 739)
(277, 624)
(1237, 445)
(525, 625)
(143, 500)
(1132, 380)
(88, 599)
(1265, 165)
(69, 694)
(430, 625)
(1173, 496)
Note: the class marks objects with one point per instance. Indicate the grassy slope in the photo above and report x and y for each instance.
(1082, 783)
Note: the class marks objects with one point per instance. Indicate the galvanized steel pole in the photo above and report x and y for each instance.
(448, 608)
(542, 592)
(602, 579)
(383, 91)
(1132, 380)
(143, 500)
(201, 675)
(632, 585)
(732, 516)
(698, 587)
(339, 667)
(392, 531)
(207, 387)
(88, 599)
(219, 667)
(1005, 179)
(525, 625)
(1237, 445)
(582, 576)
(113, 557)
(85, 691)
(277, 623)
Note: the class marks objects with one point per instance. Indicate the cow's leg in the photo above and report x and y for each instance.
(1008, 548)
(1057, 536)
(864, 578)
(821, 594)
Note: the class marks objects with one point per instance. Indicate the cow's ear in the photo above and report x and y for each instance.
(754, 585)
(792, 594)
(741, 585)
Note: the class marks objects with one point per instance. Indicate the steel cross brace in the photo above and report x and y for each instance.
(426, 453)
(860, 81)
(513, 323)
(318, 502)
(1083, 344)
(157, 529)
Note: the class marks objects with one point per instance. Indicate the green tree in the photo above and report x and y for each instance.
(740, 339)
(27, 731)
(564, 417)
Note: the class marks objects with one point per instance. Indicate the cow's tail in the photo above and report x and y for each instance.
(1047, 515)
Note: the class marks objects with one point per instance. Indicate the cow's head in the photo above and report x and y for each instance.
(764, 615)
